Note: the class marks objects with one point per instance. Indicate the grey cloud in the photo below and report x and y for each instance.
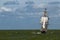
(54, 3)
(11, 3)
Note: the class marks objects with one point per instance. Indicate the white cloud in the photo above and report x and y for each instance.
(53, 0)
(54, 16)
(0, 10)
(40, 13)
(21, 17)
(25, 15)
(34, 14)
(41, 5)
(5, 9)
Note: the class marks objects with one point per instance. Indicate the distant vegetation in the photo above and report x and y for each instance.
(29, 35)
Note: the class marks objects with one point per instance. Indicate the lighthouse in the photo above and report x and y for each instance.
(44, 21)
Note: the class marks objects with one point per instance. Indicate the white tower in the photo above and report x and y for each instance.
(44, 22)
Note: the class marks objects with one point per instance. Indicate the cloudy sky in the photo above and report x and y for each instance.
(26, 14)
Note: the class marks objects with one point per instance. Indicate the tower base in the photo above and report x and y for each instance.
(43, 31)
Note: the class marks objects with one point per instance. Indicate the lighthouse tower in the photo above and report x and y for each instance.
(44, 22)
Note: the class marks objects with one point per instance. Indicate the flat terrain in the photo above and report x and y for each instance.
(29, 35)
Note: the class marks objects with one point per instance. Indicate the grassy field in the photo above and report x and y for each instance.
(29, 35)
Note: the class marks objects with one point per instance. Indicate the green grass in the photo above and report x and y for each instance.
(29, 35)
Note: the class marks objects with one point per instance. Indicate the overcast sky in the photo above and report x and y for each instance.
(25, 14)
